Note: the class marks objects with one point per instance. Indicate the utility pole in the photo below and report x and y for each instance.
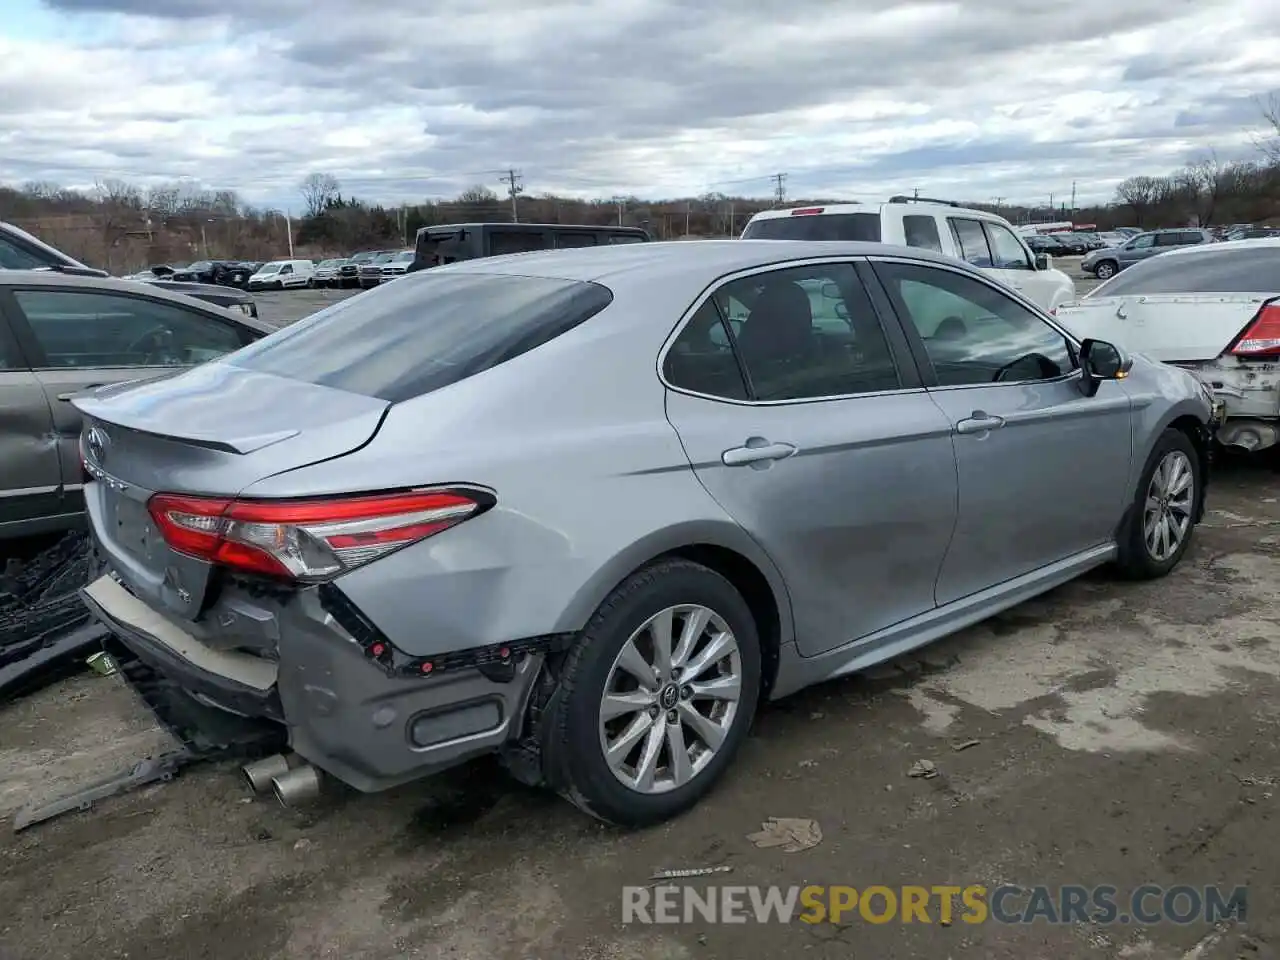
(915, 193)
(622, 206)
(996, 201)
(1052, 208)
(514, 189)
(780, 190)
(1073, 196)
(688, 209)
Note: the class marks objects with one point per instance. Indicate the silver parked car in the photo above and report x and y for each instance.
(587, 508)
(1106, 263)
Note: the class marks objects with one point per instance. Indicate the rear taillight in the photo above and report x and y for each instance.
(1262, 336)
(308, 540)
(807, 211)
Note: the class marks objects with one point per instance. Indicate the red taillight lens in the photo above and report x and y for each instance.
(1262, 337)
(807, 211)
(307, 540)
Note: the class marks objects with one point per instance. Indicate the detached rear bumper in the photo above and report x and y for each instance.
(344, 712)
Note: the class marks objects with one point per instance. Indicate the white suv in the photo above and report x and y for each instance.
(983, 239)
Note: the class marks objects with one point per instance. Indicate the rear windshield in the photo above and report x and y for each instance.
(424, 332)
(1204, 271)
(823, 226)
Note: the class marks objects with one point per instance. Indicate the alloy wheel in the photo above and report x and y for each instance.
(671, 698)
(1166, 514)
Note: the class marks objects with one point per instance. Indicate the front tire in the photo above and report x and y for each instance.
(1105, 270)
(1162, 518)
(656, 696)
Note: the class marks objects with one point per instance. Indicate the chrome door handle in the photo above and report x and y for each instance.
(756, 453)
(979, 422)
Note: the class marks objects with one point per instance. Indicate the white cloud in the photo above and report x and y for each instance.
(653, 97)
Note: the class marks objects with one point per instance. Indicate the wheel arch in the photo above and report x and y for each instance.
(724, 548)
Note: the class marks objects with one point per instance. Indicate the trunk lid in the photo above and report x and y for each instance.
(212, 430)
(1171, 328)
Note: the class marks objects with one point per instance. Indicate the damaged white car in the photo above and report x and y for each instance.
(1211, 309)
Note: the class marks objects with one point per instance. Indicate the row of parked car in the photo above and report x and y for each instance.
(366, 269)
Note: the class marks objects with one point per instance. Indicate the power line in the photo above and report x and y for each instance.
(781, 190)
(512, 179)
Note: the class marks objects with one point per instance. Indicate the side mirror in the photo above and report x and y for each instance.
(1042, 261)
(1100, 361)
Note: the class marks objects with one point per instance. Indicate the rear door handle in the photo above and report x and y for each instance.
(74, 393)
(756, 452)
(979, 422)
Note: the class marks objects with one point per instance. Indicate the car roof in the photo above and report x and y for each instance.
(54, 278)
(825, 209)
(711, 258)
(1224, 246)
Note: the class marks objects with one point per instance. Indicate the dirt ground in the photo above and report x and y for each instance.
(1126, 734)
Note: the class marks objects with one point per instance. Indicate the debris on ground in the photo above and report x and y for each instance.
(923, 770)
(682, 874)
(102, 664)
(790, 834)
(45, 630)
(964, 745)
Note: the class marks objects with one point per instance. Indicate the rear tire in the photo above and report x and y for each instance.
(671, 739)
(1106, 270)
(1170, 488)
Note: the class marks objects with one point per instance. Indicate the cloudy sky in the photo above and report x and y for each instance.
(968, 98)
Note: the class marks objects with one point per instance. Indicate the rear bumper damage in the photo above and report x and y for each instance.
(1249, 391)
(349, 711)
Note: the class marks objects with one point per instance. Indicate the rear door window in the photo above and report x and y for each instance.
(13, 257)
(568, 239)
(516, 241)
(424, 332)
(922, 232)
(971, 241)
(822, 226)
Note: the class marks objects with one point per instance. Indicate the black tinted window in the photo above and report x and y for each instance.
(626, 238)
(972, 332)
(922, 232)
(1199, 271)
(807, 332)
(564, 240)
(516, 241)
(424, 332)
(971, 241)
(820, 226)
(82, 329)
(701, 359)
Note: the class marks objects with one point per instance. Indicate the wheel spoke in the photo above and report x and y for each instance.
(631, 661)
(620, 704)
(621, 748)
(719, 688)
(681, 768)
(694, 624)
(647, 768)
(719, 647)
(660, 631)
(707, 730)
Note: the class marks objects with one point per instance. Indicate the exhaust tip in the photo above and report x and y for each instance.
(296, 786)
(260, 773)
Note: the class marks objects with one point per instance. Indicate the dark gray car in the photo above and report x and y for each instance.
(60, 334)
(1105, 264)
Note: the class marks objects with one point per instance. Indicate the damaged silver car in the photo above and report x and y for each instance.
(586, 509)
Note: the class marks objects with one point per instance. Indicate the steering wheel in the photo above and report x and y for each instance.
(1047, 367)
(157, 336)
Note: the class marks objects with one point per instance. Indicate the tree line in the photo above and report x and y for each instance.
(120, 226)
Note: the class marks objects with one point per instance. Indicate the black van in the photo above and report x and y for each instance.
(452, 242)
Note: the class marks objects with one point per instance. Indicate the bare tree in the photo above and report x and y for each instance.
(1140, 194)
(1204, 182)
(318, 189)
(1270, 142)
(117, 193)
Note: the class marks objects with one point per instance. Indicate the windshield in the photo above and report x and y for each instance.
(271, 267)
(330, 263)
(826, 226)
(383, 258)
(1210, 270)
(201, 265)
(404, 256)
(362, 258)
(424, 332)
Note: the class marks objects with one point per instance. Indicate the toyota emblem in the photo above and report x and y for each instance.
(97, 443)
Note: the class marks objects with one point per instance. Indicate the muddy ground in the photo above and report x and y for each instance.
(1126, 734)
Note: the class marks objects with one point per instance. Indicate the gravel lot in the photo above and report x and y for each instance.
(1126, 734)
